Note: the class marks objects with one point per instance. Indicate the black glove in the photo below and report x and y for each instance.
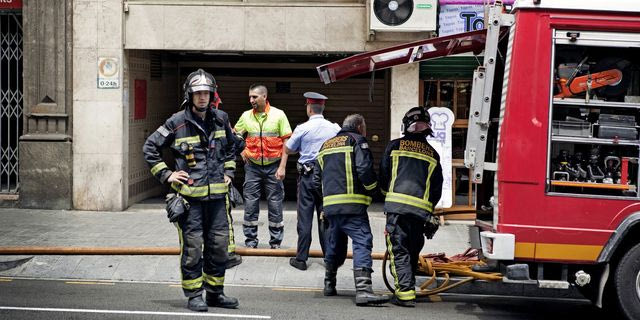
(176, 206)
(431, 226)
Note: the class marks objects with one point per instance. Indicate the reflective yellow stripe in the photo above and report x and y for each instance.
(202, 191)
(411, 154)
(371, 186)
(394, 171)
(264, 160)
(406, 295)
(348, 172)
(214, 281)
(189, 140)
(346, 199)
(219, 134)
(232, 241)
(230, 164)
(192, 284)
(384, 193)
(392, 262)
(409, 200)
(158, 167)
(335, 150)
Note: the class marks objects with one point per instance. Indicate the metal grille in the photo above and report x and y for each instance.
(10, 98)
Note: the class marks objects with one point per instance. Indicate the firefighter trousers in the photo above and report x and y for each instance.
(405, 239)
(204, 240)
(309, 200)
(358, 229)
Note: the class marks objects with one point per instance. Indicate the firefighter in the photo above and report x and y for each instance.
(201, 141)
(411, 180)
(307, 139)
(348, 181)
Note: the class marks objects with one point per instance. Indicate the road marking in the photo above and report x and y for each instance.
(297, 289)
(90, 282)
(156, 313)
(5, 280)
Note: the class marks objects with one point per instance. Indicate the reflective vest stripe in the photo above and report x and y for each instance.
(348, 172)
(346, 199)
(158, 167)
(335, 150)
(409, 200)
(219, 134)
(214, 281)
(264, 134)
(193, 283)
(189, 140)
(201, 191)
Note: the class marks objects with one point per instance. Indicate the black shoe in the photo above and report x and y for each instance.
(251, 244)
(233, 260)
(403, 303)
(221, 301)
(197, 304)
(275, 246)
(300, 265)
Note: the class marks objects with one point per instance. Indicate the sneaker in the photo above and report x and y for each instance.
(300, 265)
(233, 260)
(197, 304)
(275, 246)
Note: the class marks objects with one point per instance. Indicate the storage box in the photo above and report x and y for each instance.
(571, 128)
(613, 132)
(617, 120)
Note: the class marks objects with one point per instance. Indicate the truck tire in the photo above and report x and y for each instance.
(627, 283)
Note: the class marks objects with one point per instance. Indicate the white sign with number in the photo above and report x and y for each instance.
(441, 124)
(108, 73)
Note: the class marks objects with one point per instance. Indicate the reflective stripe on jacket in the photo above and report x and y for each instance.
(346, 171)
(206, 158)
(265, 134)
(411, 176)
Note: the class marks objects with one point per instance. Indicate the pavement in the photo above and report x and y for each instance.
(145, 225)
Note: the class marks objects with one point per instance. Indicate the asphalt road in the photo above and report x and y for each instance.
(60, 299)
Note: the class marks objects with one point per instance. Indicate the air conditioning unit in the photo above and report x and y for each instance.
(403, 15)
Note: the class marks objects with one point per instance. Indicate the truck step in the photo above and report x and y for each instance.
(553, 284)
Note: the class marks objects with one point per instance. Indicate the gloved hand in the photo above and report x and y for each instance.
(431, 226)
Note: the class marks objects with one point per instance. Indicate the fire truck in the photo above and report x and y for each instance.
(552, 144)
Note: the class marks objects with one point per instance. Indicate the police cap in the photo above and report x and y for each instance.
(315, 98)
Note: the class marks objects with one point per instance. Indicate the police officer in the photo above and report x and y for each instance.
(307, 139)
(348, 181)
(201, 141)
(411, 180)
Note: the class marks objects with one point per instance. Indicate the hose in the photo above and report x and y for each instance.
(443, 270)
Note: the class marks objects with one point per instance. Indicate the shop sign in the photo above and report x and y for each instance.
(458, 16)
(108, 73)
(441, 124)
(10, 4)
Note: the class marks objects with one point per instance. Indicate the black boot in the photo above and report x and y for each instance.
(403, 303)
(364, 292)
(219, 300)
(330, 280)
(233, 260)
(197, 304)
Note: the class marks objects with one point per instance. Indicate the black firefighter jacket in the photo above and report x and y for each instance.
(346, 172)
(411, 176)
(205, 153)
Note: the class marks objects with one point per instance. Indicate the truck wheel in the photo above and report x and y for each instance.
(627, 283)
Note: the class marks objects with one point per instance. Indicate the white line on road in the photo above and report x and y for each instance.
(158, 313)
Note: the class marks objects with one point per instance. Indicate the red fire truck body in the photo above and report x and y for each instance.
(562, 176)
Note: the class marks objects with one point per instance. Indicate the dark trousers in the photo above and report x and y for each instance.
(205, 225)
(309, 199)
(405, 239)
(258, 177)
(358, 229)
